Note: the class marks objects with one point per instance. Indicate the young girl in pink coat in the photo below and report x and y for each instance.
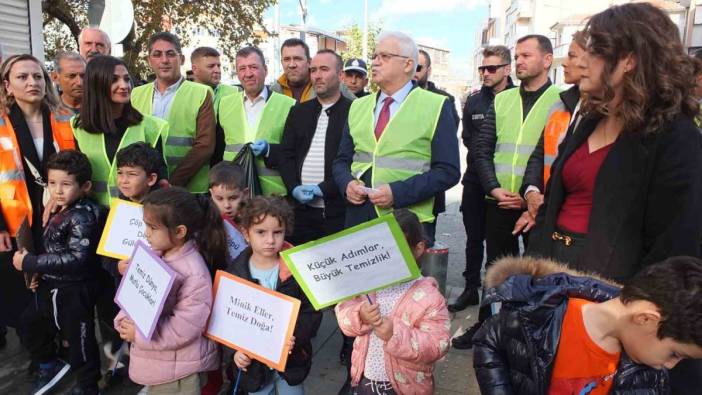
(401, 334)
(188, 232)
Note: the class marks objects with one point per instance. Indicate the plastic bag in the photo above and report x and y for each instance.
(246, 159)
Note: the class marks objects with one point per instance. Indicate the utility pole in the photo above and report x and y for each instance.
(303, 11)
(365, 30)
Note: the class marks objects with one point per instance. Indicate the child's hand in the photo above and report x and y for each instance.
(291, 344)
(241, 360)
(370, 313)
(122, 266)
(384, 330)
(126, 330)
(18, 258)
(34, 284)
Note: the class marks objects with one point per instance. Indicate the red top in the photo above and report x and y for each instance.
(579, 174)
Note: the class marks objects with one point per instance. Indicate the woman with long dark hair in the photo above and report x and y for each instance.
(107, 122)
(32, 128)
(626, 186)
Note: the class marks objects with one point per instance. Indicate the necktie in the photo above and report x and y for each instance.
(383, 118)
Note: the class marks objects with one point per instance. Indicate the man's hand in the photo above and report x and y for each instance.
(259, 147)
(18, 258)
(525, 222)
(126, 330)
(384, 330)
(534, 200)
(355, 192)
(370, 313)
(383, 197)
(241, 360)
(122, 266)
(507, 199)
(5, 241)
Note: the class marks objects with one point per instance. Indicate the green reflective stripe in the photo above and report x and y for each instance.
(174, 160)
(508, 169)
(414, 165)
(522, 149)
(263, 171)
(12, 175)
(180, 141)
(100, 186)
(548, 159)
(363, 157)
(233, 147)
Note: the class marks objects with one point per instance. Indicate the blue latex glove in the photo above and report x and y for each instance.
(316, 191)
(302, 194)
(259, 147)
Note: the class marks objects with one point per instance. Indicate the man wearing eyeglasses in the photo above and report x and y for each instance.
(494, 72)
(501, 148)
(399, 148)
(188, 108)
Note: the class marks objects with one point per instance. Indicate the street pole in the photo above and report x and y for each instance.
(365, 30)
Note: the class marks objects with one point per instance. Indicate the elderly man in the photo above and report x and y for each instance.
(93, 42)
(255, 115)
(399, 148)
(188, 108)
(68, 77)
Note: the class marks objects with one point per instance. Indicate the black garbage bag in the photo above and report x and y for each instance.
(247, 160)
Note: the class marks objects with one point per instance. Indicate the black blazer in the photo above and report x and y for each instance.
(647, 202)
(300, 127)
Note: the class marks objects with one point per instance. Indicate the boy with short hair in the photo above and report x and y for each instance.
(139, 168)
(560, 332)
(226, 180)
(65, 279)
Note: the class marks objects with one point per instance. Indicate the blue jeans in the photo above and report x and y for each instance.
(281, 387)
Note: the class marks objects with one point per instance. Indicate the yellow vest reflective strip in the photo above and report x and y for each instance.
(404, 148)
(517, 136)
(105, 169)
(15, 203)
(182, 120)
(554, 132)
(237, 132)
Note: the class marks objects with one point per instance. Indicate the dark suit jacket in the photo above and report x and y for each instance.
(647, 202)
(444, 173)
(300, 127)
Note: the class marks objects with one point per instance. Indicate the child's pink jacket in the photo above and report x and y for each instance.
(421, 336)
(177, 348)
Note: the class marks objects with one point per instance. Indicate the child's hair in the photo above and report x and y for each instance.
(142, 155)
(675, 287)
(410, 225)
(72, 162)
(176, 206)
(257, 209)
(227, 174)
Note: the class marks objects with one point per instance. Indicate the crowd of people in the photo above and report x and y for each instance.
(601, 182)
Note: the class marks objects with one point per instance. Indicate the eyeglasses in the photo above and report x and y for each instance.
(419, 68)
(492, 68)
(385, 56)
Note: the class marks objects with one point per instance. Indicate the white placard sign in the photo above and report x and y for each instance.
(124, 227)
(253, 319)
(364, 258)
(144, 289)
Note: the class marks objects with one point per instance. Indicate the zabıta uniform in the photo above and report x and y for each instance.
(182, 121)
(14, 195)
(517, 136)
(404, 148)
(269, 127)
(149, 130)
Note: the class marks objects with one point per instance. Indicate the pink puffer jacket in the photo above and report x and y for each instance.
(421, 336)
(177, 348)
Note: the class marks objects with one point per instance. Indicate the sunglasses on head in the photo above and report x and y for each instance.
(492, 68)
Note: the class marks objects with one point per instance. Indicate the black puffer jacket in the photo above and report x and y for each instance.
(515, 351)
(70, 239)
(308, 320)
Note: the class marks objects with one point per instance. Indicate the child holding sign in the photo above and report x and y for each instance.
(184, 229)
(402, 333)
(266, 221)
(67, 288)
(227, 194)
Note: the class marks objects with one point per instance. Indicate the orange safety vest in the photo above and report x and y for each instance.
(554, 132)
(14, 195)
